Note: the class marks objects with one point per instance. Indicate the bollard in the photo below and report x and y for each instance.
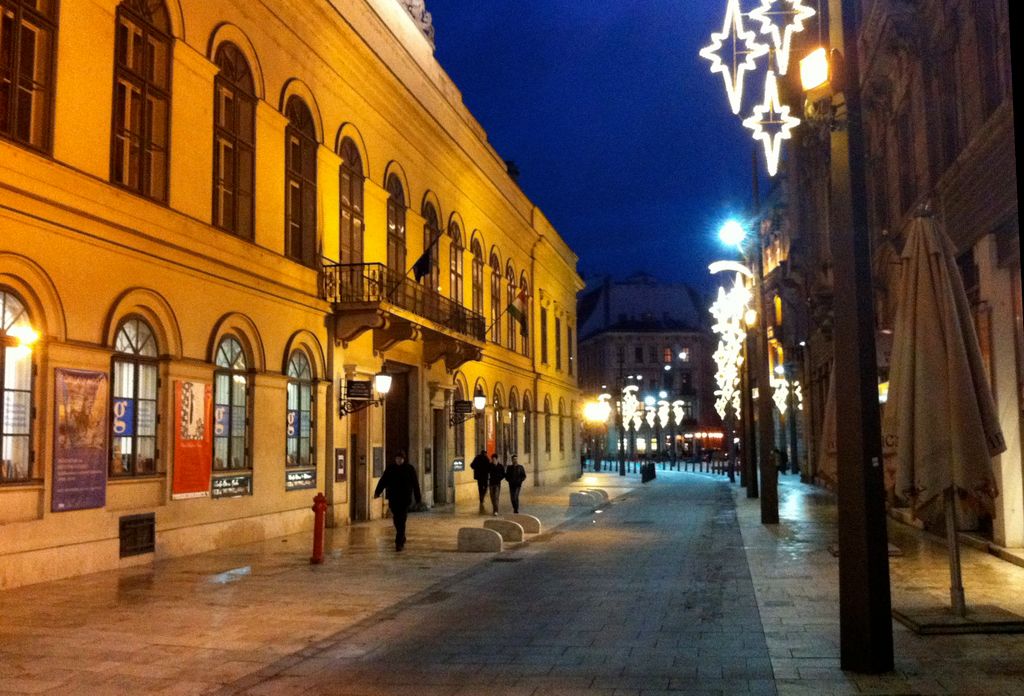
(319, 513)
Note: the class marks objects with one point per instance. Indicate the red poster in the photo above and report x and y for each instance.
(193, 439)
(492, 445)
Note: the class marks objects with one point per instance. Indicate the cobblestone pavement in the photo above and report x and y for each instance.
(675, 587)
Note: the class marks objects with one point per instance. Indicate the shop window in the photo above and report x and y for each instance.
(301, 417)
(460, 428)
(300, 183)
(547, 426)
(513, 424)
(231, 407)
(27, 29)
(350, 179)
(134, 400)
(16, 389)
(142, 98)
(234, 143)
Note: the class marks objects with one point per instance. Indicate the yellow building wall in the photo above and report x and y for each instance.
(83, 254)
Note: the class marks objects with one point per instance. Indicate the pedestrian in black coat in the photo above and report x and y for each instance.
(494, 479)
(481, 467)
(400, 484)
(515, 474)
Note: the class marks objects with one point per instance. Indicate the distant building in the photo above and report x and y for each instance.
(657, 336)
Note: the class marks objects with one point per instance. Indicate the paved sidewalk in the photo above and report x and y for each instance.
(797, 584)
(186, 625)
(674, 588)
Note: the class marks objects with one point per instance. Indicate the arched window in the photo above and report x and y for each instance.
(234, 142)
(561, 425)
(26, 71)
(455, 264)
(495, 299)
(478, 277)
(500, 441)
(351, 186)
(513, 412)
(431, 241)
(300, 435)
(511, 290)
(142, 98)
(396, 225)
(231, 407)
(16, 394)
(527, 427)
(547, 425)
(134, 400)
(524, 290)
(300, 183)
(460, 427)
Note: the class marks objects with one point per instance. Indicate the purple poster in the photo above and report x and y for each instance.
(80, 440)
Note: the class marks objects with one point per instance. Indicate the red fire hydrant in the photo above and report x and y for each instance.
(319, 512)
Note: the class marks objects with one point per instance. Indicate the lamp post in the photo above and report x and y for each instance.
(734, 234)
(865, 621)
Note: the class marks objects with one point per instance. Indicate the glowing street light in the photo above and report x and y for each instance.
(732, 233)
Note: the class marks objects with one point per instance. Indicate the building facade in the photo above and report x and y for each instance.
(208, 217)
(654, 336)
(939, 124)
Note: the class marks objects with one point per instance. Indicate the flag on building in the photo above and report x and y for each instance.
(421, 268)
(517, 308)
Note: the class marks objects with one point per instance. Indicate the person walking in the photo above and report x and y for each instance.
(494, 479)
(400, 484)
(481, 467)
(515, 474)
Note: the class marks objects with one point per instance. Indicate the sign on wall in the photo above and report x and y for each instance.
(80, 440)
(193, 440)
(339, 464)
(295, 480)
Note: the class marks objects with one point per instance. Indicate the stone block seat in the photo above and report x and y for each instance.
(479, 540)
(602, 493)
(584, 499)
(529, 523)
(509, 531)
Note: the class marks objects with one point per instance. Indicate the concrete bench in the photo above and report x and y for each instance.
(599, 492)
(509, 531)
(584, 499)
(529, 523)
(477, 539)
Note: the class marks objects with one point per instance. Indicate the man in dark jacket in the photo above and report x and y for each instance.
(515, 474)
(494, 479)
(481, 467)
(400, 484)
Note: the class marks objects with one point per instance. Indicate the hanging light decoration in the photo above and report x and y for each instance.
(728, 311)
(771, 123)
(743, 44)
(781, 32)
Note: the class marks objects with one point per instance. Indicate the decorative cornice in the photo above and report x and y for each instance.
(417, 9)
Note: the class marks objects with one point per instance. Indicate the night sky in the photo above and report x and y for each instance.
(622, 135)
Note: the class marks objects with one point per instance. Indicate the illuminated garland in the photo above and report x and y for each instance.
(780, 393)
(728, 311)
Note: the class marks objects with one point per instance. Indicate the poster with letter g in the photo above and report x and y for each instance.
(193, 440)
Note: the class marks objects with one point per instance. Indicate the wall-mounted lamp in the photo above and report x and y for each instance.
(463, 410)
(821, 76)
(360, 394)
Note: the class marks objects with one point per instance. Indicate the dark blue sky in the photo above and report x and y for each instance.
(622, 135)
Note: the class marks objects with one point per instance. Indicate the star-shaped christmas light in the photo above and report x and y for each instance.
(772, 113)
(781, 32)
(733, 30)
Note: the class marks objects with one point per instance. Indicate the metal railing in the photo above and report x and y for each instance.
(363, 283)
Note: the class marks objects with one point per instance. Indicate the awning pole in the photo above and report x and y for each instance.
(956, 587)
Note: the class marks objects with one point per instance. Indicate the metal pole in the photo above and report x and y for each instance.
(765, 422)
(865, 621)
(749, 423)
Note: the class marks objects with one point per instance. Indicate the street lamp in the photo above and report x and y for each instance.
(865, 608)
(733, 233)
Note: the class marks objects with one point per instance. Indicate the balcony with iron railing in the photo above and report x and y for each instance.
(371, 296)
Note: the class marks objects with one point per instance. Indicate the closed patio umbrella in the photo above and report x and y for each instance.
(940, 414)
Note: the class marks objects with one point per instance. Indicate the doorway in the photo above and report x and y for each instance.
(396, 416)
(359, 510)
